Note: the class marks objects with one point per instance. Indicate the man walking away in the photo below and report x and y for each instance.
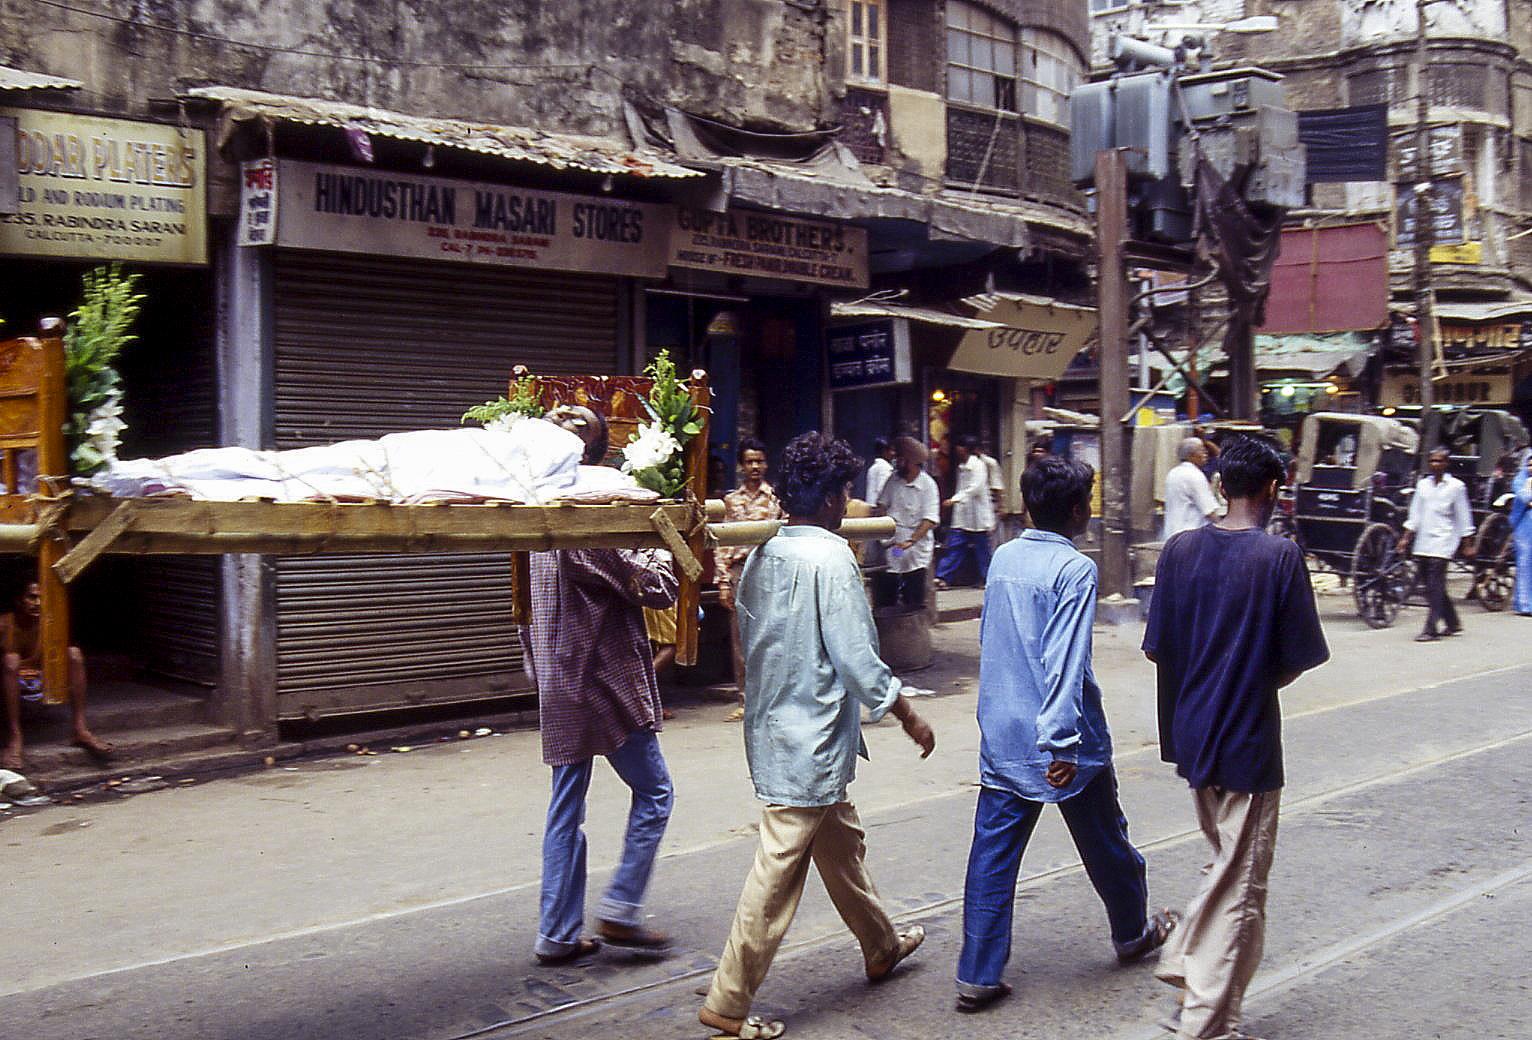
(996, 477)
(880, 470)
(1440, 518)
(910, 497)
(1044, 737)
(1189, 500)
(812, 665)
(1521, 530)
(597, 695)
(1232, 621)
(972, 518)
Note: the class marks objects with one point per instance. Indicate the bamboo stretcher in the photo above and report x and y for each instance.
(67, 531)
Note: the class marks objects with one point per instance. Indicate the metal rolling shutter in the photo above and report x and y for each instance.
(366, 346)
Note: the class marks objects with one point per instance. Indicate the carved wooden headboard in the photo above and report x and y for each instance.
(620, 400)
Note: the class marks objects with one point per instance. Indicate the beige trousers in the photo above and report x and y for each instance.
(832, 837)
(1214, 952)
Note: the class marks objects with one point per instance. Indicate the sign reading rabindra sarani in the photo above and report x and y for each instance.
(94, 188)
(766, 245)
(379, 212)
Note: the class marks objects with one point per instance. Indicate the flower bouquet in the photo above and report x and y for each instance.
(503, 413)
(655, 455)
(97, 332)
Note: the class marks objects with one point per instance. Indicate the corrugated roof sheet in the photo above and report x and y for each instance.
(924, 315)
(517, 143)
(19, 79)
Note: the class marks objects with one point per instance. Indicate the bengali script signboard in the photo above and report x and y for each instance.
(1038, 341)
(93, 188)
(767, 245)
(352, 210)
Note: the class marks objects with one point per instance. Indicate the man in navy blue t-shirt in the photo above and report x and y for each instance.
(1232, 621)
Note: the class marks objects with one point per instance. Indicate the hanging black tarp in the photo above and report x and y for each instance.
(1241, 244)
(1345, 144)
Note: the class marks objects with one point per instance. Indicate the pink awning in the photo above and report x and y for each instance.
(1329, 279)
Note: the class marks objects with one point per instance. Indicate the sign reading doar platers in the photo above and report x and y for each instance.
(107, 189)
(352, 210)
(765, 245)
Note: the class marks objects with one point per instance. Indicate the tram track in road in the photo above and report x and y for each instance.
(1305, 966)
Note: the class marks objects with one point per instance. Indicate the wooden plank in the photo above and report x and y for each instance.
(97, 541)
(519, 527)
(691, 567)
(53, 461)
(689, 596)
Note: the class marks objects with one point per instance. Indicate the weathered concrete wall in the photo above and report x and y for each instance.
(554, 64)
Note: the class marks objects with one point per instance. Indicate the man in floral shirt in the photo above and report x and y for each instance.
(752, 500)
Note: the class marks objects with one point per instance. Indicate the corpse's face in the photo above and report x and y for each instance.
(753, 465)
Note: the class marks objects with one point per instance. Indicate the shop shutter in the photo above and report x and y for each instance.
(366, 346)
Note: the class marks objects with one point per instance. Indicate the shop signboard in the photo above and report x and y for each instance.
(870, 353)
(1491, 388)
(1445, 205)
(258, 203)
(767, 245)
(93, 188)
(382, 213)
(1039, 339)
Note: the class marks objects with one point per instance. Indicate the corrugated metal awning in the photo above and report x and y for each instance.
(1479, 312)
(517, 143)
(19, 79)
(921, 315)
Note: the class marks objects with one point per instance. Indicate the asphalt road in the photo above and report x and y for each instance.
(1401, 901)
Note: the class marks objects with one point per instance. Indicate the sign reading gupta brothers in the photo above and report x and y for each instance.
(107, 189)
(349, 210)
(764, 245)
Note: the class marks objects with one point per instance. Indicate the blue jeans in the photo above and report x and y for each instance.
(642, 767)
(1523, 536)
(1002, 826)
(960, 546)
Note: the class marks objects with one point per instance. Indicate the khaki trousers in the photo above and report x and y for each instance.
(830, 835)
(1214, 952)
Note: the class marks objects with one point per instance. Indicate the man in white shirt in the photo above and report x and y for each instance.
(973, 516)
(881, 469)
(1440, 518)
(996, 491)
(1189, 501)
(911, 498)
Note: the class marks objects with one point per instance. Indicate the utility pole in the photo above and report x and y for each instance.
(1112, 362)
(1425, 227)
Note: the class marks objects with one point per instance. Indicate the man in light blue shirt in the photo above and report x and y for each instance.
(811, 666)
(1043, 736)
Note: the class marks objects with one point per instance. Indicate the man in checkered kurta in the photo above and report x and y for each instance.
(597, 695)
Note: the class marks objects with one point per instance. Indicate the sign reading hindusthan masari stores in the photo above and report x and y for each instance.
(766, 245)
(380, 212)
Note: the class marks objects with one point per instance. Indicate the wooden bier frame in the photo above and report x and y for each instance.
(620, 399)
(32, 410)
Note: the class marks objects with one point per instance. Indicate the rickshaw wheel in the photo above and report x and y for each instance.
(1283, 526)
(1493, 574)
(1380, 577)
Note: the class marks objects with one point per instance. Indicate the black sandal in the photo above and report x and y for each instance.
(968, 1003)
(1156, 932)
(579, 951)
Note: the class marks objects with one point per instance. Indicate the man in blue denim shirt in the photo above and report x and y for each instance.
(1043, 736)
(811, 666)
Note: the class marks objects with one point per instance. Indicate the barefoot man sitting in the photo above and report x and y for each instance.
(21, 642)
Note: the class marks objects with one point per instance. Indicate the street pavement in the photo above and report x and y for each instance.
(395, 896)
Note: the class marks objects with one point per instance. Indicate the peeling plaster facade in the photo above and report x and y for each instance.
(557, 65)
